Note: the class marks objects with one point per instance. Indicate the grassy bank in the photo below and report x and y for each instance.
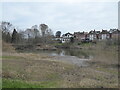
(43, 71)
(37, 70)
(11, 83)
(27, 68)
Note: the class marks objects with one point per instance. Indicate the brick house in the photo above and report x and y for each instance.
(115, 34)
(80, 35)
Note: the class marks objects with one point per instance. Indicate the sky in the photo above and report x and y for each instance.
(62, 16)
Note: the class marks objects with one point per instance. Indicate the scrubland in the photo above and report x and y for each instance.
(33, 70)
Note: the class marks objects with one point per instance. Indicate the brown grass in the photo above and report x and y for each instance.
(101, 72)
(7, 47)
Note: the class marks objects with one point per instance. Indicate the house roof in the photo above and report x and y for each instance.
(67, 34)
(80, 33)
(116, 32)
(94, 32)
(97, 32)
(104, 32)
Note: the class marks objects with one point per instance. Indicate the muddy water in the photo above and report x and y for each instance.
(81, 57)
(77, 57)
(73, 60)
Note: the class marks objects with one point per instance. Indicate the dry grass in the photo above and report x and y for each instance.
(43, 69)
(7, 47)
(31, 67)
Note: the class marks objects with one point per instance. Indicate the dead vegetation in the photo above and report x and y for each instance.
(7, 47)
(102, 71)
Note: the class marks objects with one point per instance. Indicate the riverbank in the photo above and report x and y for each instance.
(37, 69)
(30, 69)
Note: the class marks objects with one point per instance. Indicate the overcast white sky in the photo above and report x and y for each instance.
(63, 16)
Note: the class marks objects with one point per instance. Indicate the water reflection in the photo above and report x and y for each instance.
(82, 54)
(79, 56)
(68, 52)
(59, 53)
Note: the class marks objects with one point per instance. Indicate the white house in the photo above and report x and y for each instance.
(92, 35)
(104, 34)
(66, 37)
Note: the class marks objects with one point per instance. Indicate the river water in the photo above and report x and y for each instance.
(77, 57)
(81, 57)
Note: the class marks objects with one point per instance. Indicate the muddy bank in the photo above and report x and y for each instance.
(68, 46)
(66, 71)
(22, 47)
(73, 60)
(44, 47)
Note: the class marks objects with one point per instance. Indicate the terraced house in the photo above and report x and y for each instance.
(93, 35)
(105, 35)
(115, 33)
(80, 35)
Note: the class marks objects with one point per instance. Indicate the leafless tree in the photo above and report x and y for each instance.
(6, 29)
(43, 28)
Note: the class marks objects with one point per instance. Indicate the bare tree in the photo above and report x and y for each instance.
(49, 32)
(43, 28)
(49, 36)
(6, 28)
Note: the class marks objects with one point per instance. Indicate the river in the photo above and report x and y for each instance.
(80, 57)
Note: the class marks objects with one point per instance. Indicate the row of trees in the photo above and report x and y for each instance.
(41, 34)
(6, 29)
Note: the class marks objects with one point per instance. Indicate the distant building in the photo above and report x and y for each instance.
(80, 35)
(58, 38)
(66, 37)
(112, 30)
(94, 35)
(116, 34)
(105, 34)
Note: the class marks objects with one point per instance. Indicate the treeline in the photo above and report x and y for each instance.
(42, 34)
